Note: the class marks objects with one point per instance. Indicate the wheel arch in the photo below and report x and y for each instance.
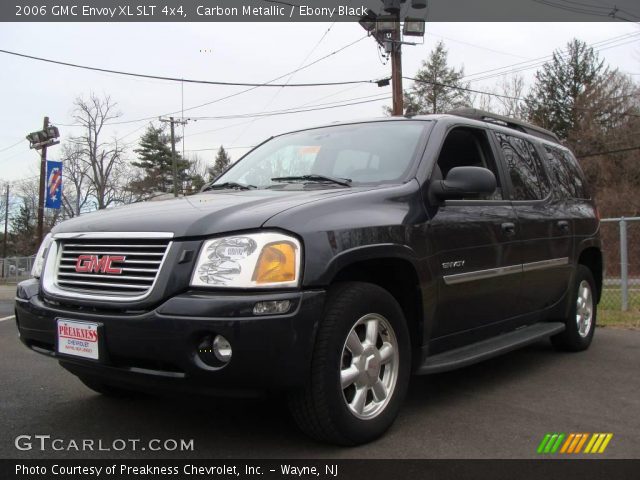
(398, 275)
(591, 257)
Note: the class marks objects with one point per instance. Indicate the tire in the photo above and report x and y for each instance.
(106, 389)
(360, 412)
(581, 323)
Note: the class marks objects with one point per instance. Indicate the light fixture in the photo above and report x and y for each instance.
(418, 4)
(386, 24)
(368, 20)
(44, 137)
(391, 6)
(414, 27)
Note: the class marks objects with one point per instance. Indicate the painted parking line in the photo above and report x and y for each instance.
(6, 318)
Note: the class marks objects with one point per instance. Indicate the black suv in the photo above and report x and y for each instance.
(330, 263)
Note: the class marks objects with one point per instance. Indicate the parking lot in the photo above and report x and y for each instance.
(499, 409)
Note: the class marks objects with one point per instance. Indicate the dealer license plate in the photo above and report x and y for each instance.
(79, 339)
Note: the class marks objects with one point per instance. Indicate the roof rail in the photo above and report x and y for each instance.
(484, 116)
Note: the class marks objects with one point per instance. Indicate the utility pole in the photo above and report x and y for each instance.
(396, 69)
(43, 174)
(174, 159)
(6, 225)
(385, 27)
(40, 140)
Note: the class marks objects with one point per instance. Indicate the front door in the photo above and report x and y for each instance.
(476, 247)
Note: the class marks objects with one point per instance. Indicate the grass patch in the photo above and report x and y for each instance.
(616, 318)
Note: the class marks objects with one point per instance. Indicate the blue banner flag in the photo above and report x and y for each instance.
(53, 190)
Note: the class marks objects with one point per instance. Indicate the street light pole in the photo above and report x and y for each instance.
(43, 174)
(6, 225)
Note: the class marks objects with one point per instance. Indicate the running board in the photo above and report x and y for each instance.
(492, 347)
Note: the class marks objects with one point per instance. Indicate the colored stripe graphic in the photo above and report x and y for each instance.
(598, 442)
(573, 443)
(551, 442)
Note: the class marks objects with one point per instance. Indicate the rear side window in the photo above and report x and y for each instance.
(528, 179)
(565, 173)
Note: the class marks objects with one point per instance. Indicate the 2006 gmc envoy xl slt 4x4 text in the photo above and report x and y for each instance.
(331, 264)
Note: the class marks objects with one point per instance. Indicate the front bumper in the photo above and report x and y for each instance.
(158, 349)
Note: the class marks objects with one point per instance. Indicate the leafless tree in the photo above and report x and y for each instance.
(511, 91)
(77, 192)
(104, 159)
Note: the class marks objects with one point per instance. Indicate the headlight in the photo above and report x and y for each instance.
(38, 262)
(244, 261)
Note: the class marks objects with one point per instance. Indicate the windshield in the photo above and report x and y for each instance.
(362, 153)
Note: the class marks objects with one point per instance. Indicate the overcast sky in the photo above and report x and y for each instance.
(255, 52)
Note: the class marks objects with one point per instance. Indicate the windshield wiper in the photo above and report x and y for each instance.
(345, 182)
(228, 185)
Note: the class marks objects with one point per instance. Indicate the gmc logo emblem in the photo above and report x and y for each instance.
(97, 264)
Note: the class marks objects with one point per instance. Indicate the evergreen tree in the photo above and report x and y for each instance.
(23, 226)
(155, 160)
(560, 84)
(433, 92)
(221, 164)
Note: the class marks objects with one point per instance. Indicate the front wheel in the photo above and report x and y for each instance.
(360, 367)
(581, 323)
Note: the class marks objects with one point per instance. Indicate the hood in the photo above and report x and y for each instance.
(200, 215)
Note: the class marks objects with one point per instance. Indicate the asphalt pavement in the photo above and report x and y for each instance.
(501, 408)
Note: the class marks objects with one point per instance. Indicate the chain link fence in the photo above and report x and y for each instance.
(621, 249)
(15, 269)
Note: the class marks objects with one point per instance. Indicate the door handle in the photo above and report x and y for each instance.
(563, 225)
(509, 228)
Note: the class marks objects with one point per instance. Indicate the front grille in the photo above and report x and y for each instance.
(97, 266)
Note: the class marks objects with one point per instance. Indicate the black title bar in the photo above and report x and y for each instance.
(312, 10)
(228, 469)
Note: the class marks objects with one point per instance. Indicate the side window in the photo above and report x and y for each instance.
(468, 147)
(528, 178)
(566, 173)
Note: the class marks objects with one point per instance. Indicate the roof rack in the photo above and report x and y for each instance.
(508, 122)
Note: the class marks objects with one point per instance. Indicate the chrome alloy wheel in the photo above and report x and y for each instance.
(584, 308)
(369, 366)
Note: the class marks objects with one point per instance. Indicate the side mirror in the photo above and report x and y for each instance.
(464, 182)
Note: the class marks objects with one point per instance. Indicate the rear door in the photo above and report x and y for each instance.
(545, 229)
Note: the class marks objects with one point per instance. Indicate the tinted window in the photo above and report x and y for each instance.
(468, 147)
(565, 173)
(365, 153)
(528, 179)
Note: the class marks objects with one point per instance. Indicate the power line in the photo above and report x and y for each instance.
(620, 150)
(521, 99)
(465, 89)
(226, 97)
(613, 13)
(216, 148)
(187, 80)
(290, 111)
(314, 107)
(536, 62)
(11, 146)
(288, 80)
(481, 47)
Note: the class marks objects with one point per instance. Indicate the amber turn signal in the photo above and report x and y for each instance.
(277, 263)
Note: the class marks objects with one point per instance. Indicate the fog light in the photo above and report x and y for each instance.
(222, 348)
(272, 308)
